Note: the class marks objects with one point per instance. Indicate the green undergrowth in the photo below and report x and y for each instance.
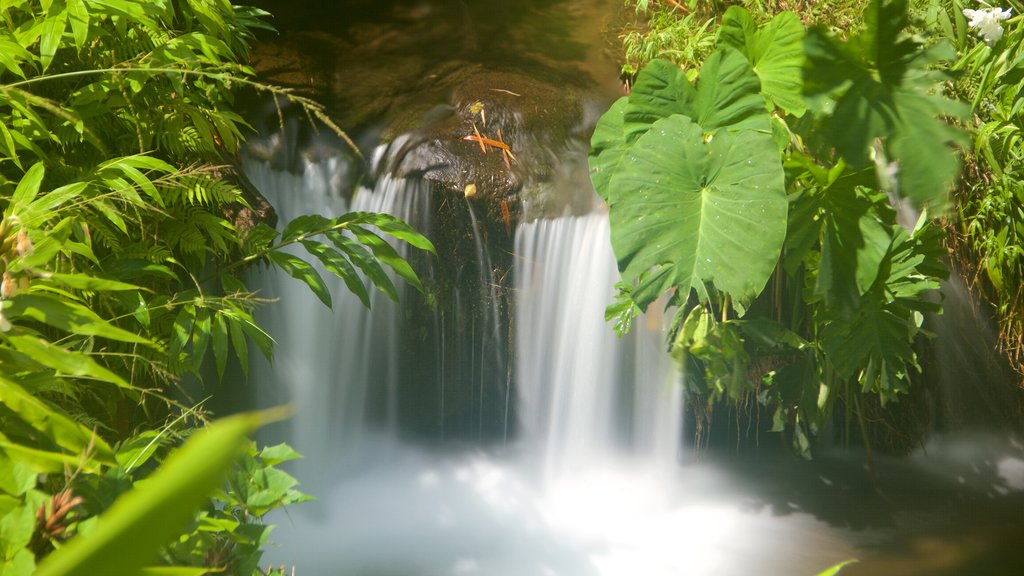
(782, 177)
(123, 237)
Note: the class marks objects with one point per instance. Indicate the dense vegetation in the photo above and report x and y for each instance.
(788, 197)
(123, 237)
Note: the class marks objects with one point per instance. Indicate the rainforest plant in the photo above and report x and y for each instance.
(123, 236)
(763, 199)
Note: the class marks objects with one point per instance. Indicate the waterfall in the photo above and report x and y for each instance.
(491, 426)
(585, 392)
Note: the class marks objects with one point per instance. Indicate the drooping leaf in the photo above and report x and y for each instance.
(65, 362)
(390, 225)
(65, 315)
(775, 51)
(301, 270)
(304, 225)
(93, 283)
(366, 262)
(338, 265)
(386, 253)
(696, 211)
(219, 337)
(876, 338)
(41, 208)
(45, 461)
(78, 16)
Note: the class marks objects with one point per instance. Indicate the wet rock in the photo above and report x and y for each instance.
(422, 76)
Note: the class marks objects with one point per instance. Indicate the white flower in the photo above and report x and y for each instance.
(986, 22)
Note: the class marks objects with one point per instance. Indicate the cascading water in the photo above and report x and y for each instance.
(496, 425)
(430, 456)
(583, 391)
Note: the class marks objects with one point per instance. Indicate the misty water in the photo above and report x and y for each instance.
(503, 428)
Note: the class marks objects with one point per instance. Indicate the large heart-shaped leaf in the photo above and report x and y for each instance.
(775, 51)
(685, 211)
(727, 95)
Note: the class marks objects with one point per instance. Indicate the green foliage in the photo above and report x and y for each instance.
(773, 230)
(120, 257)
(882, 85)
(988, 234)
(128, 536)
(685, 32)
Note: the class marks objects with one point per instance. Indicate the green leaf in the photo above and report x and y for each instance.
(396, 227)
(16, 528)
(775, 51)
(92, 283)
(263, 340)
(127, 537)
(41, 208)
(12, 54)
(219, 336)
(52, 31)
(886, 87)
(303, 225)
(876, 338)
(27, 189)
(854, 244)
(366, 262)
(274, 455)
(200, 337)
(338, 265)
(387, 254)
(137, 450)
(53, 423)
(65, 315)
(238, 342)
(64, 361)
(15, 478)
(698, 212)
(181, 331)
(607, 146)
(301, 270)
(78, 16)
(44, 461)
(661, 90)
(128, 166)
(727, 95)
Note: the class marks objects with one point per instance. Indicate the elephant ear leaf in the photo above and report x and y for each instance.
(686, 211)
(726, 95)
(775, 51)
